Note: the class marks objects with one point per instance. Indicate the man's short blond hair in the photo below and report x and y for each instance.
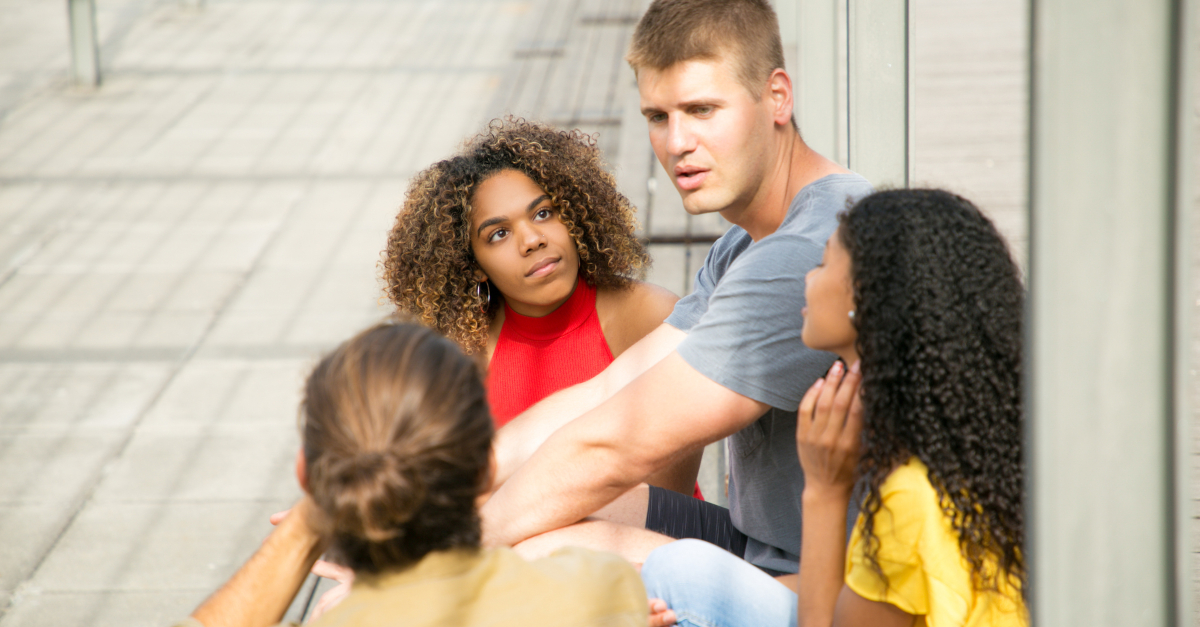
(673, 31)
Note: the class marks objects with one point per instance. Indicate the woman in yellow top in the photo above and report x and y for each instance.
(918, 293)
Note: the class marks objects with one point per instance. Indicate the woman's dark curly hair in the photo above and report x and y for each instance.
(938, 310)
(428, 266)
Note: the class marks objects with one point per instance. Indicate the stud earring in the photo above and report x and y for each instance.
(851, 314)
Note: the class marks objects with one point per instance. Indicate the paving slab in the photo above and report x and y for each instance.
(56, 395)
(60, 467)
(156, 546)
(108, 608)
(28, 531)
(238, 391)
(216, 462)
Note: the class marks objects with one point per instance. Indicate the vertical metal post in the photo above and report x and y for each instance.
(1103, 171)
(878, 90)
(820, 75)
(85, 52)
(1187, 204)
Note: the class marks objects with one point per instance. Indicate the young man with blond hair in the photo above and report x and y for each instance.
(729, 360)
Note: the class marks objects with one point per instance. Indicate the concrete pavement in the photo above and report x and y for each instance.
(179, 245)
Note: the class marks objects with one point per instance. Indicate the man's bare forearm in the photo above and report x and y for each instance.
(262, 589)
(590, 462)
(518, 440)
(571, 463)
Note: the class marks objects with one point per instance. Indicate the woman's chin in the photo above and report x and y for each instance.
(817, 344)
(812, 342)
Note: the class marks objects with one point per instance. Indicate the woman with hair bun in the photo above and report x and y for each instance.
(919, 297)
(396, 453)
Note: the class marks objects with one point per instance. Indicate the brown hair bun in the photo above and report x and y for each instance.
(397, 440)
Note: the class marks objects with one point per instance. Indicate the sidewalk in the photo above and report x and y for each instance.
(178, 246)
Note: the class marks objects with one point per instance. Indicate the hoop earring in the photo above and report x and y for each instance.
(487, 302)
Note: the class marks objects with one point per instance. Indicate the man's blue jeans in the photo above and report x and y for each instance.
(708, 587)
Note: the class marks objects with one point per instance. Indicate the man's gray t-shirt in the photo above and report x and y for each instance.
(743, 331)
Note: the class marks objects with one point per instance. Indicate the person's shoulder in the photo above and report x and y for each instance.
(911, 511)
(628, 314)
(842, 183)
(566, 568)
(795, 240)
(732, 242)
(638, 296)
(899, 527)
(598, 584)
(908, 486)
(585, 568)
(826, 197)
(813, 213)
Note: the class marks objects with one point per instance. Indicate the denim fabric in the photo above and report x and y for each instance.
(708, 587)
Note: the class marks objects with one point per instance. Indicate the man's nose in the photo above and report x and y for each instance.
(680, 140)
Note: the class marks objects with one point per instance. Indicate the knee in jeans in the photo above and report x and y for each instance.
(684, 556)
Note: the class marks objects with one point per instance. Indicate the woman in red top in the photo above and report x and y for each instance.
(521, 250)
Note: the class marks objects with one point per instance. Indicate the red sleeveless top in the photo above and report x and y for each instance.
(536, 357)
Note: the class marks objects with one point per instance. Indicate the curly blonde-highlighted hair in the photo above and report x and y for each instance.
(429, 266)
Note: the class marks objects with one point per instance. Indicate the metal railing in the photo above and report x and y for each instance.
(85, 50)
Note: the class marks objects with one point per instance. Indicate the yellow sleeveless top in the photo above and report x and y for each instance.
(918, 551)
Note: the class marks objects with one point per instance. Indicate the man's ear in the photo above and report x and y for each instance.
(779, 92)
(302, 470)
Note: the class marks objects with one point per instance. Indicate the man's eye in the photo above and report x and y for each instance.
(705, 110)
(657, 117)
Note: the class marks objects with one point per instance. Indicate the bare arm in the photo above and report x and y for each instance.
(668, 411)
(681, 474)
(823, 556)
(260, 591)
(828, 428)
(517, 441)
(627, 315)
(827, 441)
